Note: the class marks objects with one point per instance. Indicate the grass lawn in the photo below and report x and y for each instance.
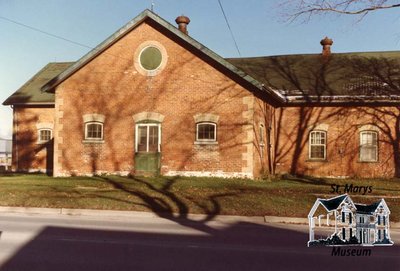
(213, 196)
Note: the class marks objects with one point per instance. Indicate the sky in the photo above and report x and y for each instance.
(259, 28)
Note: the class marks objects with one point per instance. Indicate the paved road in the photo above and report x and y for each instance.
(60, 242)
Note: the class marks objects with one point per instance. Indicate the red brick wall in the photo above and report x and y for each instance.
(28, 155)
(110, 85)
(293, 125)
(263, 144)
(191, 84)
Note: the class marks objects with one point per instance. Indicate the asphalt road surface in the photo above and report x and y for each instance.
(60, 242)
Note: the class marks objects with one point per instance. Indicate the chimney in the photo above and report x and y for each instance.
(182, 22)
(326, 46)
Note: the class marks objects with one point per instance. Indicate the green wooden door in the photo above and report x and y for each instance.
(147, 156)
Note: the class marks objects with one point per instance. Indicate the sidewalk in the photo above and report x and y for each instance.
(127, 214)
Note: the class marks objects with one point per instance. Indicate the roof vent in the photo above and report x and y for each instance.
(326, 46)
(182, 22)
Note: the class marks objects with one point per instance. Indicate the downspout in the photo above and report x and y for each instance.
(272, 144)
(270, 153)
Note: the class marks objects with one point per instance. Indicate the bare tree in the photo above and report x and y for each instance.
(295, 9)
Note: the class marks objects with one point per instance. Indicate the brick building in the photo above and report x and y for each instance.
(151, 99)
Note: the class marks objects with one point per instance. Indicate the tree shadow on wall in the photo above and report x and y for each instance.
(155, 95)
(27, 152)
(307, 80)
(343, 90)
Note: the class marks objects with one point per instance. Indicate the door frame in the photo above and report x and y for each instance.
(142, 124)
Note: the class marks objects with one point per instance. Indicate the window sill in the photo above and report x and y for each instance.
(317, 160)
(91, 141)
(368, 162)
(206, 143)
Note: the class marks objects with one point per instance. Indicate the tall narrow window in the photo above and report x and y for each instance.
(262, 134)
(343, 233)
(317, 144)
(44, 135)
(368, 146)
(206, 131)
(93, 131)
(350, 218)
(343, 217)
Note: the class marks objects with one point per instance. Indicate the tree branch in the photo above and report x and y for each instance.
(300, 8)
(360, 11)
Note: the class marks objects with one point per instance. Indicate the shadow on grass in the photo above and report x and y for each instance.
(166, 204)
(328, 182)
(306, 180)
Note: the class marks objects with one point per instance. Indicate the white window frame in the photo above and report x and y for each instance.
(40, 140)
(206, 140)
(148, 135)
(361, 145)
(94, 138)
(314, 144)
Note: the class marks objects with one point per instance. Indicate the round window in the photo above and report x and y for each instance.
(150, 58)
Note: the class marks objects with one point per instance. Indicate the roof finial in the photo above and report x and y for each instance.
(152, 6)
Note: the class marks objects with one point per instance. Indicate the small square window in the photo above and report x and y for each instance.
(93, 131)
(44, 135)
(206, 131)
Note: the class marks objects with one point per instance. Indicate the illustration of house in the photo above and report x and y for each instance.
(151, 99)
(344, 222)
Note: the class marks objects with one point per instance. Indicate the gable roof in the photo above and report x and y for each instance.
(333, 203)
(367, 209)
(149, 15)
(358, 78)
(31, 92)
(349, 77)
(371, 208)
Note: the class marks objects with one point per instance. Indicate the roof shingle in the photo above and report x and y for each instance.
(354, 75)
(31, 93)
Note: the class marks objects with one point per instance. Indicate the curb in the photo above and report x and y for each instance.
(288, 220)
(105, 213)
(124, 214)
(30, 210)
(129, 214)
